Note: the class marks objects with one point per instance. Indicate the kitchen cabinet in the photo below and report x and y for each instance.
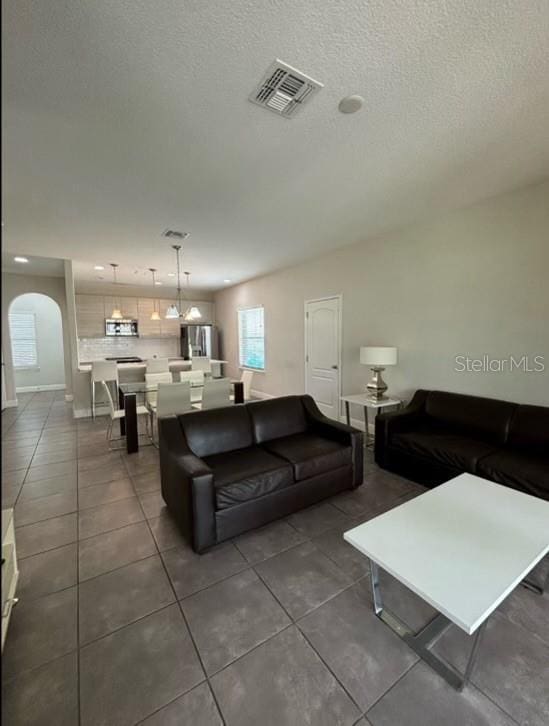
(90, 316)
(148, 328)
(168, 328)
(91, 311)
(127, 305)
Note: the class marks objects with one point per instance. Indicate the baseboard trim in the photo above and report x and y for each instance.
(87, 412)
(10, 404)
(35, 389)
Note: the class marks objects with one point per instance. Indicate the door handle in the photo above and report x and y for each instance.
(335, 368)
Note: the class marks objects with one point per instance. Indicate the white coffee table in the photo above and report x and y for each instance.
(462, 547)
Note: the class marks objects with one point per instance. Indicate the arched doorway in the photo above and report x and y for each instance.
(36, 334)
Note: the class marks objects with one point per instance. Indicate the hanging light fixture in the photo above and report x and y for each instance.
(155, 315)
(116, 313)
(192, 312)
(172, 313)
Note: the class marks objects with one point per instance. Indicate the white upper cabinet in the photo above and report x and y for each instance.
(91, 311)
(90, 316)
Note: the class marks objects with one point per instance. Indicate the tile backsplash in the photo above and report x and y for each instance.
(96, 348)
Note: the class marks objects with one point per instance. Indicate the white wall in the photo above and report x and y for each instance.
(14, 285)
(474, 282)
(49, 342)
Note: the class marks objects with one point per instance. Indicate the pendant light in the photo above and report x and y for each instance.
(172, 313)
(191, 313)
(155, 313)
(116, 313)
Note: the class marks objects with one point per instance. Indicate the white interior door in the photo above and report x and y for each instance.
(323, 353)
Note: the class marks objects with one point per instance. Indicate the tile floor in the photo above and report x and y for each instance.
(119, 622)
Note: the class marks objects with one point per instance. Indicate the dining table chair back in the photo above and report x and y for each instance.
(216, 393)
(154, 379)
(195, 378)
(201, 363)
(246, 378)
(158, 365)
(173, 398)
(102, 370)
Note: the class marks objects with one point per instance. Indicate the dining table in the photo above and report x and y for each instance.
(129, 392)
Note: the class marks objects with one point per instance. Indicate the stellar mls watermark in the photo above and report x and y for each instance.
(486, 364)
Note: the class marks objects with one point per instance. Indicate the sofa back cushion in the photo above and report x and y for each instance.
(529, 429)
(277, 417)
(484, 418)
(217, 430)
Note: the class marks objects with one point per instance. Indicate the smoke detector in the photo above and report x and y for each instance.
(174, 234)
(283, 89)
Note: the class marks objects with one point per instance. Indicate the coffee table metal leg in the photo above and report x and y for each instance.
(419, 642)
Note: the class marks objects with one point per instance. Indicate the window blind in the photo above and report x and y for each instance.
(251, 338)
(23, 340)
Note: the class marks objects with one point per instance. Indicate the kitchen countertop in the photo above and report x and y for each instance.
(174, 364)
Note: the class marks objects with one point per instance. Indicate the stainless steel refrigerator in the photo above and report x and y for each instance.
(199, 340)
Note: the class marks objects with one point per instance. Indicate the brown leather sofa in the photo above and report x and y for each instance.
(440, 435)
(228, 470)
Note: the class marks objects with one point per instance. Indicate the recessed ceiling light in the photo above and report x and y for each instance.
(98, 267)
(351, 104)
(20, 259)
(226, 281)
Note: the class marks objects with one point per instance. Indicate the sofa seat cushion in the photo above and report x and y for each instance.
(246, 474)
(452, 450)
(519, 470)
(310, 454)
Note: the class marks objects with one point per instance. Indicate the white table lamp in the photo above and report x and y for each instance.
(378, 358)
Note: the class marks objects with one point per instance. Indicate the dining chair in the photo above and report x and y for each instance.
(117, 413)
(102, 370)
(172, 398)
(155, 379)
(201, 363)
(215, 394)
(195, 378)
(246, 379)
(157, 365)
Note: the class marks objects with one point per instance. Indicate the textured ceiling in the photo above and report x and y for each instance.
(124, 117)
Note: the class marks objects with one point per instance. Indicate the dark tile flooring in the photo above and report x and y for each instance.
(119, 622)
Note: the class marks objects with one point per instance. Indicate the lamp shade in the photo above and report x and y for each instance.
(172, 313)
(377, 356)
(193, 313)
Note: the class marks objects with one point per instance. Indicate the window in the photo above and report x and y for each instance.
(23, 340)
(251, 339)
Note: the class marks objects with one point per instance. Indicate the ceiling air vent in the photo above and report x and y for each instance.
(284, 89)
(174, 234)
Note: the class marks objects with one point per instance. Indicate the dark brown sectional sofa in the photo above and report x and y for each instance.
(228, 470)
(440, 435)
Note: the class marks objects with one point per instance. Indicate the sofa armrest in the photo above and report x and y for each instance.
(336, 431)
(388, 424)
(187, 485)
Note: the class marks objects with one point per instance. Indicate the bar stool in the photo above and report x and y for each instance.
(102, 370)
